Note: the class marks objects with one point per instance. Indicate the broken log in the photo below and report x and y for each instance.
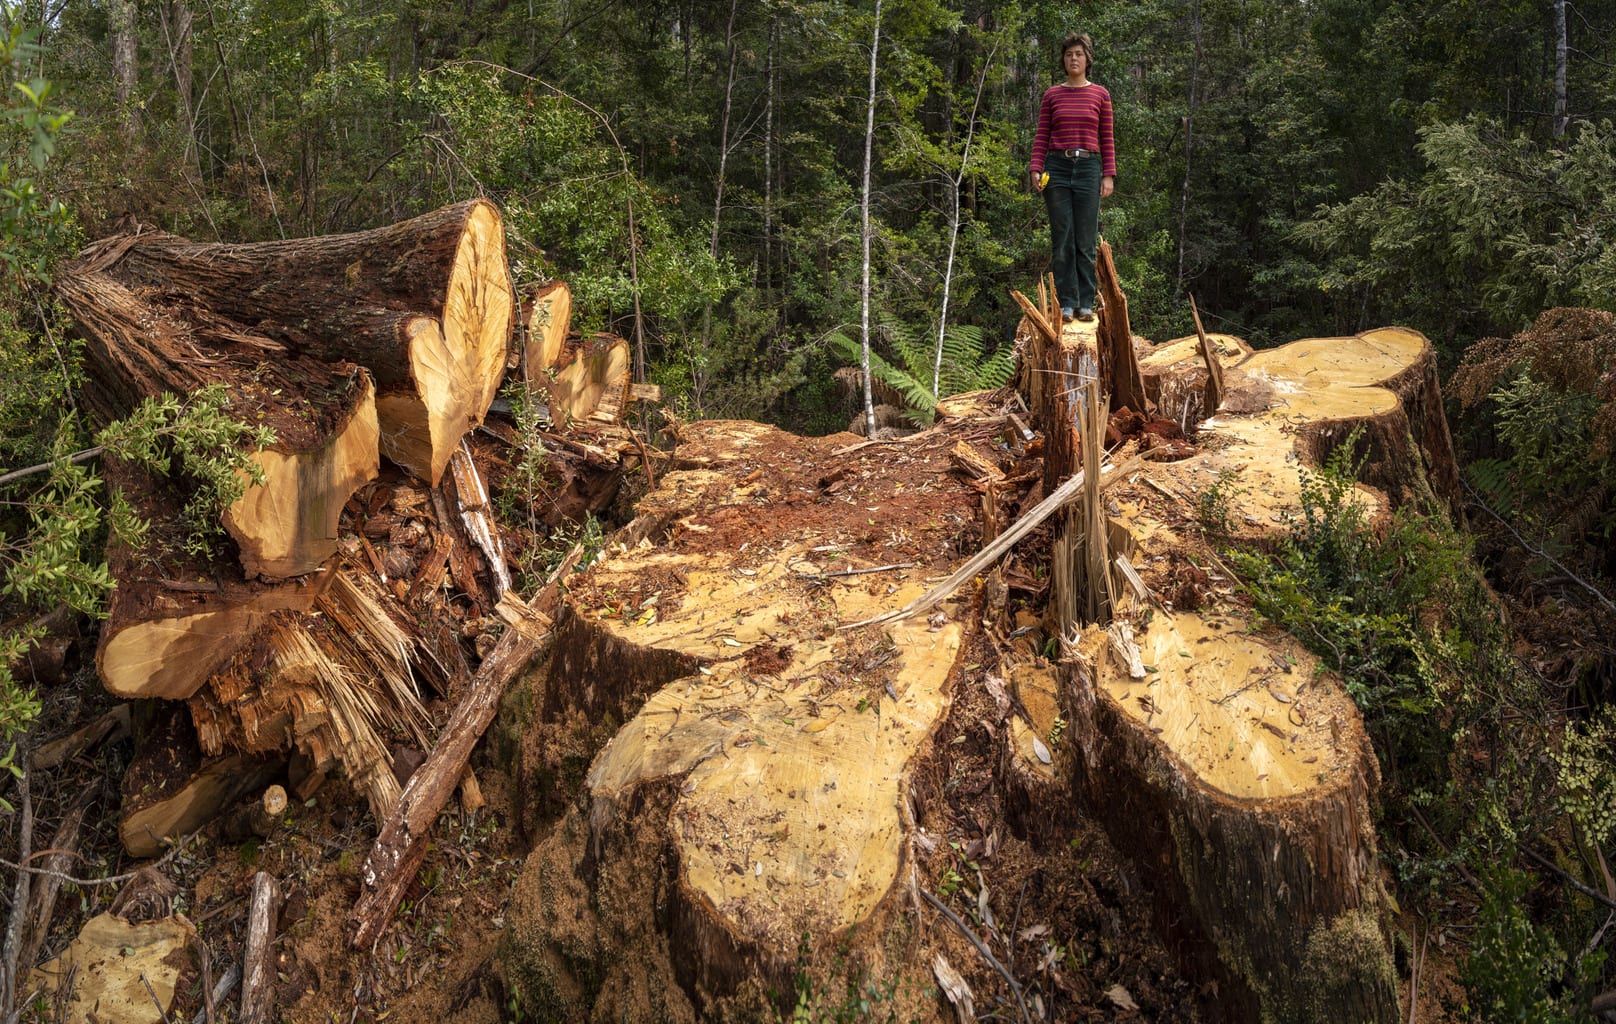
(323, 415)
(594, 378)
(176, 618)
(260, 816)
(1214, 367)
(425, 305)
(401, 843)
(258, 958)
(1119, 365)
(773, 755)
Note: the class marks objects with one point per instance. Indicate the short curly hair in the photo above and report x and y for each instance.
(1078, 39)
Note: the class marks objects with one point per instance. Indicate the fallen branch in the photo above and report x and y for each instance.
(1591, 893)
(873, 568)
(1599, 594)
(221, 988)
(1057, 499)
(987, 954)
(401, 843)
(258, 959)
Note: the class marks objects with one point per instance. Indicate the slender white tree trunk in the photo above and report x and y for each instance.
(864, 217)
(768, 165)
(1560, 117)
(723, 131)
(1189, 139)
(954, 223)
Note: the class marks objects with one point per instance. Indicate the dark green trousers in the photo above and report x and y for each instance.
(1072, 198)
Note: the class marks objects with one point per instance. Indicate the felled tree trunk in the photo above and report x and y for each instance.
(323, 415)
(762, 779)
(425, 305)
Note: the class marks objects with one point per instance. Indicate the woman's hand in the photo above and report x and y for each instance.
(1108, 184)
(1037, 183)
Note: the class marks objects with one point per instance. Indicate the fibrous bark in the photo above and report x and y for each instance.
(323, 415)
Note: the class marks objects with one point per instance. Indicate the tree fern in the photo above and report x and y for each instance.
(965, 366)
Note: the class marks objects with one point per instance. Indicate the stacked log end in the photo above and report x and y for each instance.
(350, 347)
(425, 305)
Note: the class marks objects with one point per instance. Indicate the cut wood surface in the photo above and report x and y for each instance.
(547, 315)
(770, 751)
(323, 414)
(595, 374)
(184, 800)
(424, 304)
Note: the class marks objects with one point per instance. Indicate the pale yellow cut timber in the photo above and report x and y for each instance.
(420, 431)
(287, 525)
(172, 657)
(106, 964)
(790, 817)
(198, 801)
(549, 318)
(1251, 716)
(477, 309)
(578, 390)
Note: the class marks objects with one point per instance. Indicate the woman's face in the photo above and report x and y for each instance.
(1075, 60)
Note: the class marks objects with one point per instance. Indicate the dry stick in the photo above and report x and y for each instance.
(1476, 499)
(987, 954)
(19, 893)
(873, 568)
(85, 456)
(401, 842)
(221, 988)
(155, 1001)
(110, 879)
(257, 960)
(1059, 497)
(645, 457)
(205, 961)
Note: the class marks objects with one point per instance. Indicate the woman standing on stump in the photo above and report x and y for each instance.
(1074, 165)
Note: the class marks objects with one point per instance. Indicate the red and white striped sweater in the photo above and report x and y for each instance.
(1071, 118)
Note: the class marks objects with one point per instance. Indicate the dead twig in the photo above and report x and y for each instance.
(1591, 893)
(987, 954)
(155, 1001)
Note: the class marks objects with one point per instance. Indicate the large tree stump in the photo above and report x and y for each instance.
(1234, 759)
(323, 415)
(425, 305)
(767, 756)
